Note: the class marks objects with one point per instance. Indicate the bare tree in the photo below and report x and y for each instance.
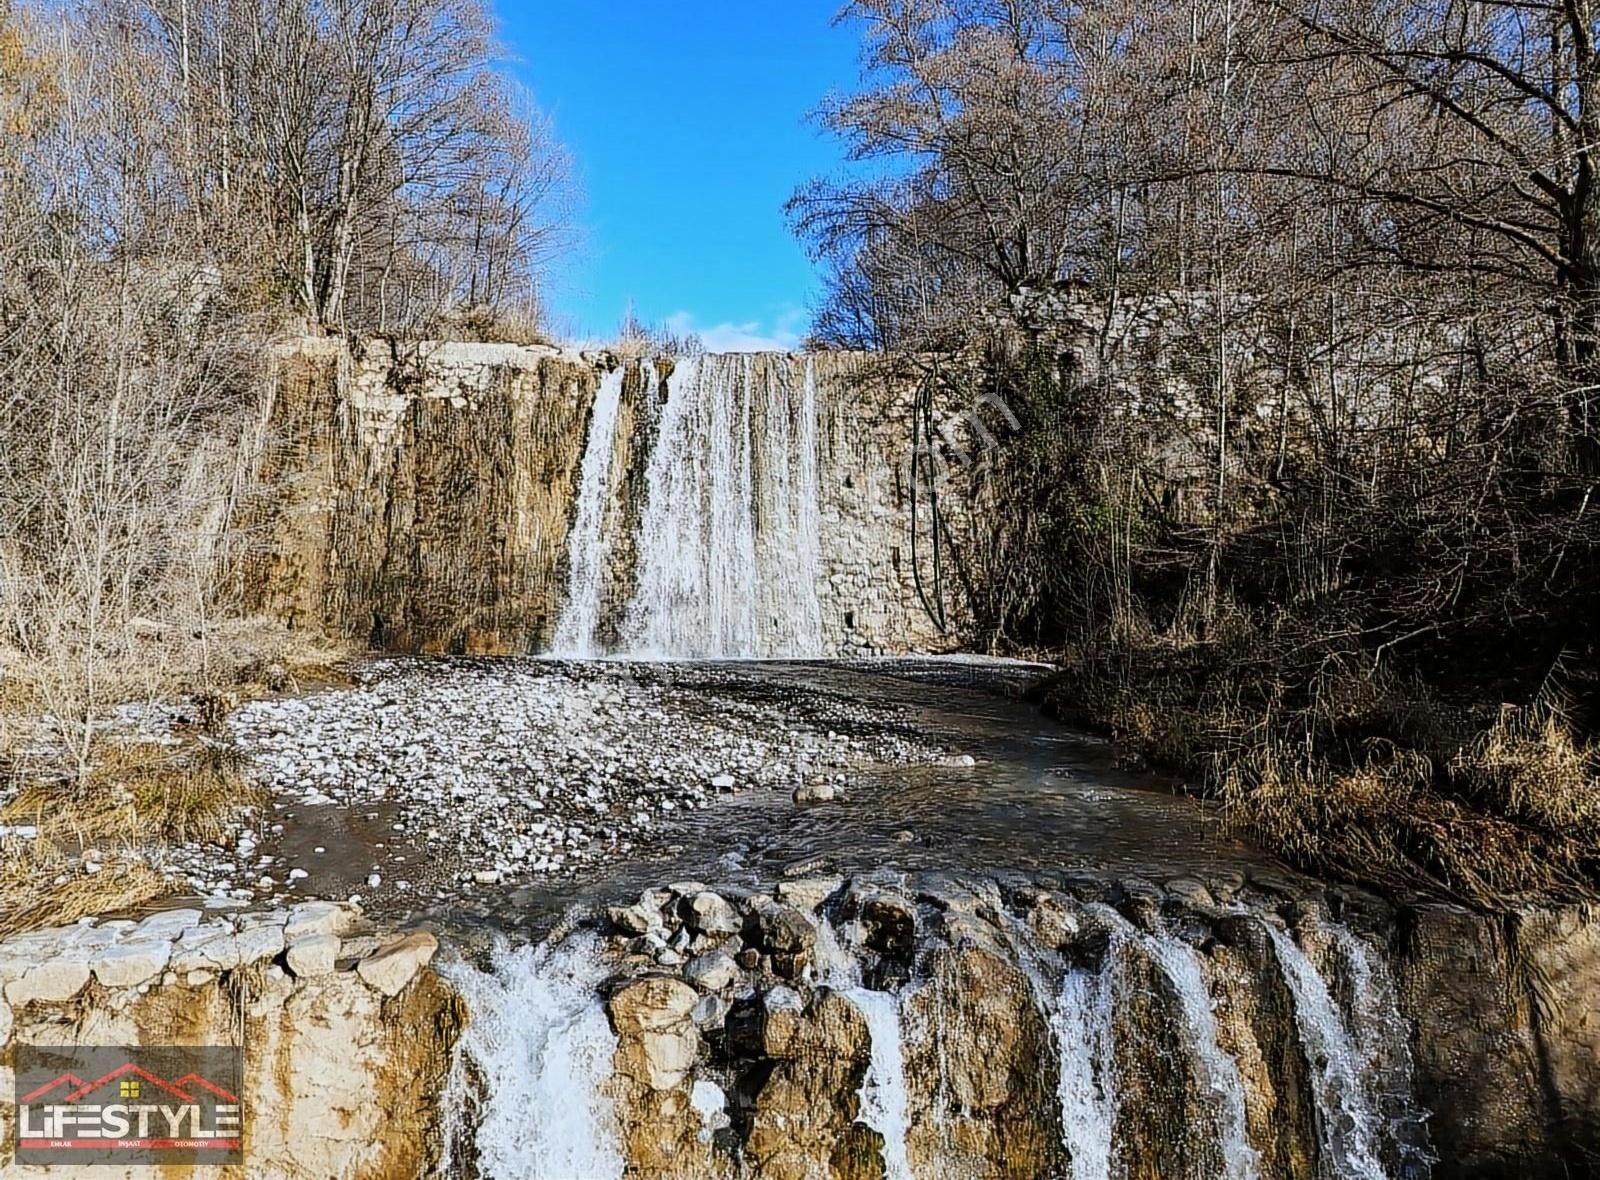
(1296, 307)
(177, 181)
(396, 171)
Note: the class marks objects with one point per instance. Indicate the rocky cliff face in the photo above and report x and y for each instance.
(421, 497)
(866, 1028)
(347, 1036)
(416, 497)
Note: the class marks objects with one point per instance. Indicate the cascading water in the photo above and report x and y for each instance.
(696, 561)
(788, 546)
(539, 1042)
(1083, 1024)
(586, 547)
(539, 1045)
(1082, 1018)
(1180, 963)
(1383, 1039)
(1349, 1122)
(728, 552)
(884, 1102)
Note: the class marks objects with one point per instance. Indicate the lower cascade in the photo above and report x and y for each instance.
(527, 1095)
(850, 1028)
(1218, 1072)
(884, 1101)
(1084, 1025)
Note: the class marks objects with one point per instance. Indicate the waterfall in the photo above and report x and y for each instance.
(789, 549)
(1083, 1025)
(1180, 963)
(586, 548)
(831, 963)
(1383, 1039)
(884, 1102)
(728, 547)
(1082, 1017)
(527, 1095)
(1348, 1124)
(539, 1045)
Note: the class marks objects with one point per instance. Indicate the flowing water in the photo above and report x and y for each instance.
(1383, 1043)
(1219, 1073)
(1346, 1076)
(728, 550)
(587, 549)
(540, 1046)
(884, 1103)
(1042, 807)
(540, 1043)
(1083, 1023)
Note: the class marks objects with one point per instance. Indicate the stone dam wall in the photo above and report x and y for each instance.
(851, 1028)
(421, 497)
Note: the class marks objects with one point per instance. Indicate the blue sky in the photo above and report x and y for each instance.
(687, 124)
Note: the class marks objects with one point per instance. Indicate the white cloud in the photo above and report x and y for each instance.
(781, 335)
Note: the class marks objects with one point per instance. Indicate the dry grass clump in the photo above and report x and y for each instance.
(139, 799)
(38, 891)
(257, 656)
(1399, 821)
(60, 699)
(1347, 770)
(523, 323)
(1529, 766)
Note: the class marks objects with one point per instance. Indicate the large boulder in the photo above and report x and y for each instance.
(657, 1040)
(312, 955)
(397, 962)
(710, 914)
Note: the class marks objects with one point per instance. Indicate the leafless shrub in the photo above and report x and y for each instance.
(1294, 310)
(177, 183)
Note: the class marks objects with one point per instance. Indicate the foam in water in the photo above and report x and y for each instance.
(1082, 1022)
(1180, 963)
(832, 964)
(541, 1045)
(1349, 1126)
(586, 548)
(728, 548)
(884, 1103)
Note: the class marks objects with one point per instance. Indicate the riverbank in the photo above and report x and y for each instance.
(992, 953)
(1368, 778)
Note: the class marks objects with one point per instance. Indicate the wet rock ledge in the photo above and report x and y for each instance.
(881, 1025)
(933, 1025)
(347, 1032)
